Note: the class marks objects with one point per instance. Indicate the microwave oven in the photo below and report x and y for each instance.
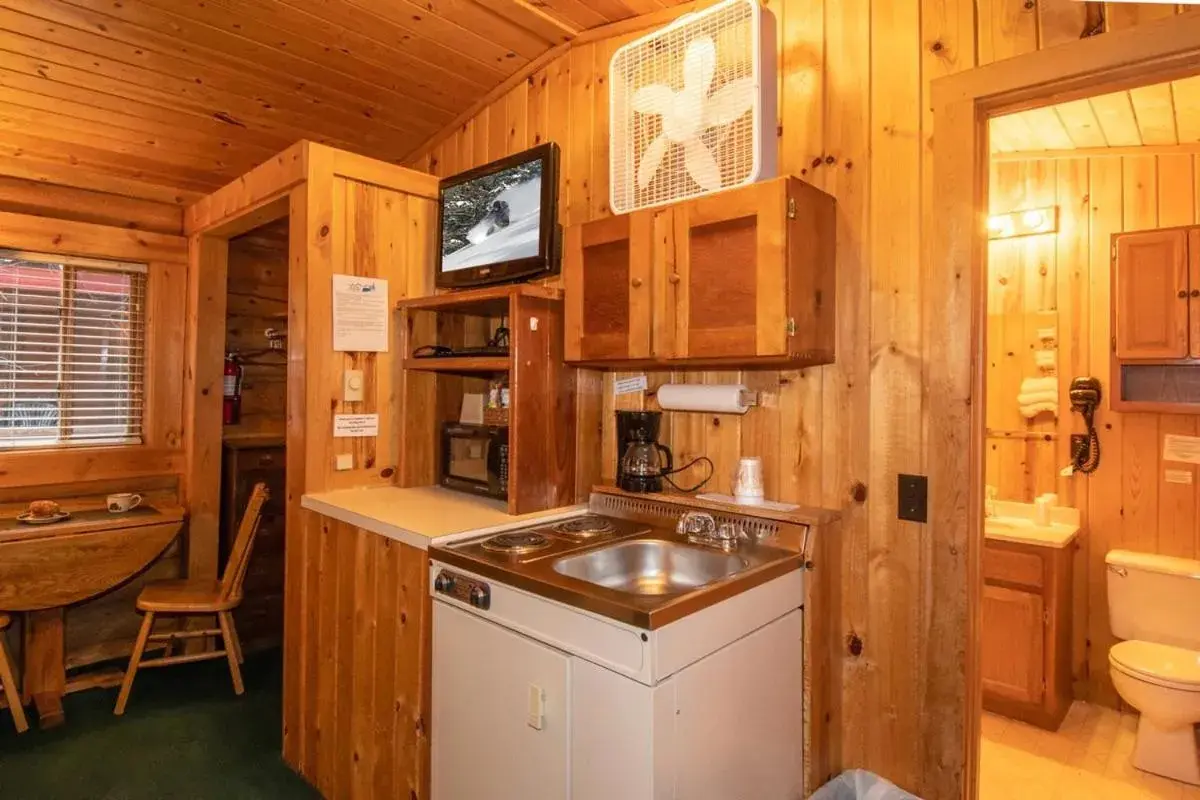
(475, 459)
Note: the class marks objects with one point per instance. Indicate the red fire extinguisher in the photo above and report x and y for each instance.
(231, 409)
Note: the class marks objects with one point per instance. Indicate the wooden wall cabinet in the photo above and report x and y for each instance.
(1026, 647)
(742, 277)
(1156, 320)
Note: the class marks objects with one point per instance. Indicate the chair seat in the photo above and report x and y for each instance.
(185, 597)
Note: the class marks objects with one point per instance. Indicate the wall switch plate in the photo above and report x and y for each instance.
(912, 498)
(345, 461)
(352, 386)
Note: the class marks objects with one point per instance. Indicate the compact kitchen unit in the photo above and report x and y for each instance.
(646, 648)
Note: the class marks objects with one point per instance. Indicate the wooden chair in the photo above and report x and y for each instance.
(8, 682)
(190, 598)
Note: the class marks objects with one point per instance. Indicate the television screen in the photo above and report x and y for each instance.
(493, 219)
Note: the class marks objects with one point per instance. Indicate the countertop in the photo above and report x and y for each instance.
(1014, 522)
(418, 516)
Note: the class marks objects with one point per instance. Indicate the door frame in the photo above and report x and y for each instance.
(955, 297)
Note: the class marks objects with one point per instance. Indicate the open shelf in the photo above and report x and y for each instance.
(465, 365)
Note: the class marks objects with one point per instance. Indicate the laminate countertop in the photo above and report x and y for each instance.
(418, 516)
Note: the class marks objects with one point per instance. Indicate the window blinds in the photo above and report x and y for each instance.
(72, 351)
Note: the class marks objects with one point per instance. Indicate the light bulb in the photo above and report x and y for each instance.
(1034, 220)
(1000, 225)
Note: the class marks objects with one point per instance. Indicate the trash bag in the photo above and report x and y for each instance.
(858, 784)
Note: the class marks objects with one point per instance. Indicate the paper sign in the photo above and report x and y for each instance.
(349, 426)
(630, 385)
(1181, 448)
(1178, 476)
(360, 314)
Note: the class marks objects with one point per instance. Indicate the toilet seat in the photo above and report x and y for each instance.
(1160, 664)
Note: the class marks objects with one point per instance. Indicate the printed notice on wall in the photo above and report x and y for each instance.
(352, 426)
(1177, 476)
(630, 385)
(360, 314)
(1181, 448)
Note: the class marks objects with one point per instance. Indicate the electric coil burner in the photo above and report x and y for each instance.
(517, 542)
(585, 527)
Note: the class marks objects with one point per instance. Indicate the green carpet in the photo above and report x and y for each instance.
(184, 735)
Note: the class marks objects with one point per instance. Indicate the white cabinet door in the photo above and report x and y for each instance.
(486, 738)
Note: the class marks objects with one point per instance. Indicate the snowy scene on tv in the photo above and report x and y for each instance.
(493, 219)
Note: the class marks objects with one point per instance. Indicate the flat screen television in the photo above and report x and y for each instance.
(499, 222)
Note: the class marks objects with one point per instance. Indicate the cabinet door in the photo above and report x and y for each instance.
(1013, 644)
(489, 740)
(1150, 295)
(607, 277)
(1193, 254)
(729, 279)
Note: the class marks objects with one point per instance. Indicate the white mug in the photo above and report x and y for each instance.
(748, 480)
(126, 501)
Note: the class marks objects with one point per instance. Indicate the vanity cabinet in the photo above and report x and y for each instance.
(1026, 634)
(744, 276)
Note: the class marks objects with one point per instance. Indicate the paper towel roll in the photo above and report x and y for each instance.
(723, 399)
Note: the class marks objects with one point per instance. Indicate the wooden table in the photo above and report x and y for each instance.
(44, 568)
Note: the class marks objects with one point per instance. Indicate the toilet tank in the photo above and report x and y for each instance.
(1154, 598)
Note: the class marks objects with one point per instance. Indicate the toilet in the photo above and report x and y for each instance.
(1152, 605)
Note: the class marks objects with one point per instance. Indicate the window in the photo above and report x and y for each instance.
(72, 351)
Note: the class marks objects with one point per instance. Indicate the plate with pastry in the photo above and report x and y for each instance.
(43, 512)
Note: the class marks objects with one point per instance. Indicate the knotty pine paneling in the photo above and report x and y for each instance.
(1063, 280)
(358, 695)
(854, 97)
(257, 301)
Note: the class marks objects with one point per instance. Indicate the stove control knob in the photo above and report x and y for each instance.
(480, 597)
(443, 583)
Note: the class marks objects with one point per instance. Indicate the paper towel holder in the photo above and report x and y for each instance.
(748, 397)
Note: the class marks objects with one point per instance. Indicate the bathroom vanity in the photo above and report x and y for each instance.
(1026, 658)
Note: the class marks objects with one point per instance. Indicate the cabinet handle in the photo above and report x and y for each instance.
(1195, 292)
(674, 277)
(636, 283)
(1182, 293)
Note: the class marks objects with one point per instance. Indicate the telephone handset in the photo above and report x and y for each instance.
(1085, 399)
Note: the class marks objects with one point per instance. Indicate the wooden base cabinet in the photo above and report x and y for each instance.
(1027, 632)
(741, 277)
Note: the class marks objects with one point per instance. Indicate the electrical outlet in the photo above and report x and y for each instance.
(912, 498)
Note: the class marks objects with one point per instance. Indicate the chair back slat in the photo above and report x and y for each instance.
(239, 556)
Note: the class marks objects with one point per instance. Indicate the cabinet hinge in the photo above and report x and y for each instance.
(791, 326)
(791, 208)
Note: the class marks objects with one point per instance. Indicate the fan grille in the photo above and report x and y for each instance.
(658, 59)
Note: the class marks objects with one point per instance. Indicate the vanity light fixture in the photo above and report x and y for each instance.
(1028, 222)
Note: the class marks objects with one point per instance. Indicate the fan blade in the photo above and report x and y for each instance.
(701, 165)
(653, 99)
(699, 66)
(729, 102)
(651, 160)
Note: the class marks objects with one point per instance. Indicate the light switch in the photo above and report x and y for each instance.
(537, 707)
(345, 461)
(353, 386)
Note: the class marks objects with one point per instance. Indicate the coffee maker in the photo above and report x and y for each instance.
(641, 460)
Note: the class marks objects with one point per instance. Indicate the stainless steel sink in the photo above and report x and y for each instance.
(651, 566)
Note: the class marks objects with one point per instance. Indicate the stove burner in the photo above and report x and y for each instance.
(517, 542)
(584, 527)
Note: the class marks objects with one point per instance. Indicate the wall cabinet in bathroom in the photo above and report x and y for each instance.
(1026, 638)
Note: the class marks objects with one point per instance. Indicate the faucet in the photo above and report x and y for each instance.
(701, 528)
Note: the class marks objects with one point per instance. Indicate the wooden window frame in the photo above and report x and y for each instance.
(956, 263)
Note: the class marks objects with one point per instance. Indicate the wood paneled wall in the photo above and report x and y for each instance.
(855, 121)
(1063, 280)
(257, 301)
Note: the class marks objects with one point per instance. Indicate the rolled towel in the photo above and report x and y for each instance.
(1031, 385)
(1037, 397)
(1033, 409)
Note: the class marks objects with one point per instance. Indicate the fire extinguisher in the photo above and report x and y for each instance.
(231, 409)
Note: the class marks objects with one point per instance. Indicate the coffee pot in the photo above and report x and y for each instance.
(642, 461)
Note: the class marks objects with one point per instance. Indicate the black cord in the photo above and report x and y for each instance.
(1086, 457)
(711, 471)
(500, 337)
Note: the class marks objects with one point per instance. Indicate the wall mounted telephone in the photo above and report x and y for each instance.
(1085, 399)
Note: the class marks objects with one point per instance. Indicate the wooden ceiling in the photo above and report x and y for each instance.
(1164, 114)
(170, 99)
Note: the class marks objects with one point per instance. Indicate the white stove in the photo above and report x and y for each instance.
(547, 686)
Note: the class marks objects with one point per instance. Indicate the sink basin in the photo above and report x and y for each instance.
(651, 566)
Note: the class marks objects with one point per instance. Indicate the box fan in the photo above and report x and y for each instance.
(693, 107)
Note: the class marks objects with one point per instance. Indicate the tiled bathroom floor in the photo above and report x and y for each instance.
(1088, 757)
